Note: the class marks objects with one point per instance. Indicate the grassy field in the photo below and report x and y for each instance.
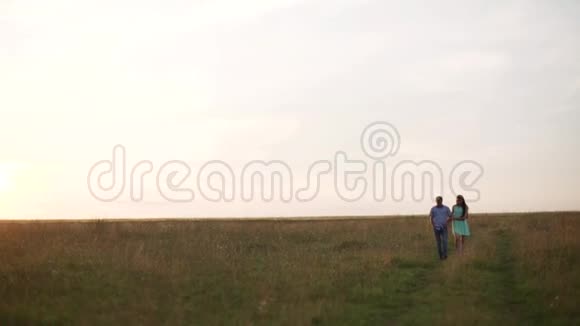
(517, 269)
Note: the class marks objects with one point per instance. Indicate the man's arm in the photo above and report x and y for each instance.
(449, 216)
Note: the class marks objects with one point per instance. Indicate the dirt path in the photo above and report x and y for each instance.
(479, 286)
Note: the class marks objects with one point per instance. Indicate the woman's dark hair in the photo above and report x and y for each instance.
(463, 205)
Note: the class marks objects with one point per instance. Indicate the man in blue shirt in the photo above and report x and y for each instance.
(439, 216)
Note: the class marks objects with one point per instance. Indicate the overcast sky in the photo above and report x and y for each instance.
(495, 82)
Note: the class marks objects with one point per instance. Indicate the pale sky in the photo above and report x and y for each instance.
(496, 82)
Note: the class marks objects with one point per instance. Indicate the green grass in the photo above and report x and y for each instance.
(517, 269)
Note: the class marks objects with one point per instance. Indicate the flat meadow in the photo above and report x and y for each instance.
(516, 269)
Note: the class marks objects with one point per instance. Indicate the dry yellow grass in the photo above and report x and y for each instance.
(516, 269)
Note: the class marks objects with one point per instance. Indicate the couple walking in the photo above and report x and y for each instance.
(441, 215)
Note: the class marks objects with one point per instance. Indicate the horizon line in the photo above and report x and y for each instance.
(270, 218)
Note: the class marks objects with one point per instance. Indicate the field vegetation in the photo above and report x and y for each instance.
(516, 269)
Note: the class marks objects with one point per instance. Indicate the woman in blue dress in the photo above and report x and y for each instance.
(460, 227)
